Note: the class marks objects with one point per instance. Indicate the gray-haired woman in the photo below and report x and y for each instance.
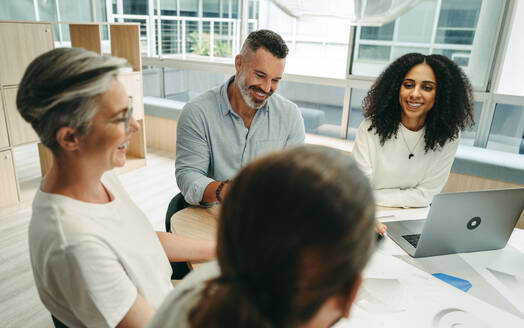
(96, 260)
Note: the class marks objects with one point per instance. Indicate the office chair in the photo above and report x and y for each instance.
(57, 323)
(180, 269)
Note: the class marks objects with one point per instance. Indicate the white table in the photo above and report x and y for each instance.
(399, 291)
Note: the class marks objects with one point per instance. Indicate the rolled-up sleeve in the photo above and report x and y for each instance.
(193, 155)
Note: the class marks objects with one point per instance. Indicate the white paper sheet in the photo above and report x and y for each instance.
(396, 294)
(402, 214)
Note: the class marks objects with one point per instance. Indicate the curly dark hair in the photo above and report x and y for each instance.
(267, 39)
(451, 113)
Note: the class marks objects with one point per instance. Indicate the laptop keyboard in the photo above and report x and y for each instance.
(412, 239)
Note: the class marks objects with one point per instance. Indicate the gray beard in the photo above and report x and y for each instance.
(244, 92)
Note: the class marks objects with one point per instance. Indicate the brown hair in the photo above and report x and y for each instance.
(296, 228)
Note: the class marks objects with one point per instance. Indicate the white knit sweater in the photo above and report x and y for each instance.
(398, 180)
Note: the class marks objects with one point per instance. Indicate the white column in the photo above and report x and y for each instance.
(109, 11)
(510, 81)
(244, 15)
(200, 14)
(482, 48)
(37, 12)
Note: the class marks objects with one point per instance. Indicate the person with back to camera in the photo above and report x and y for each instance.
(414, 113)
(96, 260)
(295, 231)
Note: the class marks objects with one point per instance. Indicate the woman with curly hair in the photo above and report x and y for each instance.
(414, 114)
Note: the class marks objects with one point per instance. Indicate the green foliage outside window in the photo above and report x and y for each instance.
(221, 48)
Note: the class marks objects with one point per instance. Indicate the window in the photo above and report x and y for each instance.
(135, 7)
(151, 81)
(457, 22)
(320, 106)
(179, 84)
(384, 33)
(318, 45)
(464, 31)
(209, 31)
(507, 129)
(100, 13)
(355, 112)
(23, 10)
(47, 11)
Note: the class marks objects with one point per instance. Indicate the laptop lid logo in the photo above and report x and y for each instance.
(473, 223)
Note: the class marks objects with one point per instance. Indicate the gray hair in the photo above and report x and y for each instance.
(61, 88)
(267, 39)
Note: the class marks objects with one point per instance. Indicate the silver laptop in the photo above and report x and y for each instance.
(461, 222)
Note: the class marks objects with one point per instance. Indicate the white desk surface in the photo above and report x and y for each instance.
(399, 291)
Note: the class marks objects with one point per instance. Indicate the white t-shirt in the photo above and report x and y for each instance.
(178, 304)
(398, 180)
(90, 260)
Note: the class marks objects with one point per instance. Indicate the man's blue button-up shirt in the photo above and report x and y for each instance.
(213, 143)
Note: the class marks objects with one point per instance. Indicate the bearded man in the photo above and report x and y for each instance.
(224, 128)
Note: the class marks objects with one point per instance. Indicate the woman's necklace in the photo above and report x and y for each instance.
(407, 145)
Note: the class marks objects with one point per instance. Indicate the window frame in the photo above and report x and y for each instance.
(485, 93)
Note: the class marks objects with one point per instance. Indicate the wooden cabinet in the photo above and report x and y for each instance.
(20, 44)
(4, 140)
(20, 131)
(125, 43)
(8, 185)
(132, 82)
(86, 36)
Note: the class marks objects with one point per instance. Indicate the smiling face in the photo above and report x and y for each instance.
(417, 95)
(107, 141)
(258, 75)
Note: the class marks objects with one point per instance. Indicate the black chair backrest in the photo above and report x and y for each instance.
(180, 269)
(57, 323)
(176, 204)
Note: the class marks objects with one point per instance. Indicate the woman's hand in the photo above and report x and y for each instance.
(381, 228)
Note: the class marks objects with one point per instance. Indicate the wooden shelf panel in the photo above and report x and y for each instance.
(137, 145)
(86, 36)
(4, 140)
(8, 187)
(20, 132)
(125, 43)
(132, 82)
(21, 43)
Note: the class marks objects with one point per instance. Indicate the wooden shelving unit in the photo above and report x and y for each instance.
(21, 43)
(125, 43)
(26, 41)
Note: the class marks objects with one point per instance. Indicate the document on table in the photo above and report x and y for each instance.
(504, 269)
(396, 294)
(402, 214)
